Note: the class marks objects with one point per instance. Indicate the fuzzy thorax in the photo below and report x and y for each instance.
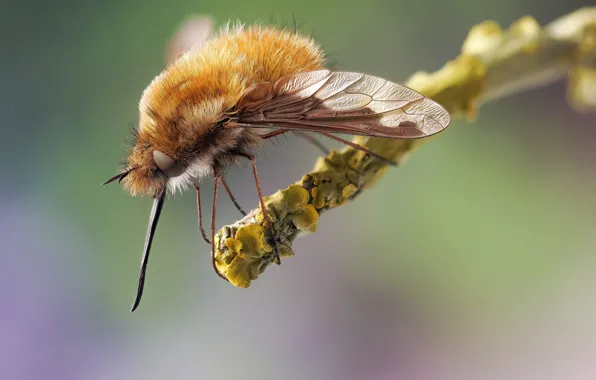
(183, 112)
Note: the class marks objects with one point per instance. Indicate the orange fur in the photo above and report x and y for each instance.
(190, 97)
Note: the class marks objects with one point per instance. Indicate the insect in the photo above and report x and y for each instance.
(215, 106)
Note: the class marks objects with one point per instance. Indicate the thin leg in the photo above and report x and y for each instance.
(262, 203)
(255, 173)
(213, 229)
(232, 197)
(274, 133)
(312, 140)
(305, 136)
(200, 212)
(359, 147)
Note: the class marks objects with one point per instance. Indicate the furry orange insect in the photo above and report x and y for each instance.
(216, 104)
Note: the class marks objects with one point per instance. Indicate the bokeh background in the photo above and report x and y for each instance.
(475, 260)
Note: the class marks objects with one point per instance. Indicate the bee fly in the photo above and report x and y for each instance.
(215, 105)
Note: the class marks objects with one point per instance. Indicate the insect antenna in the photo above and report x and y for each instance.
(153, 219)
(119, 176)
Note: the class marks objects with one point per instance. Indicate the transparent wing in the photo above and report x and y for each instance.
(341, 102)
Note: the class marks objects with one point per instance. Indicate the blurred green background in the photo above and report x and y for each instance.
(475, 260)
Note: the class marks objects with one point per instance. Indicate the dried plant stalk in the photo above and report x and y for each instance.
(493, 63)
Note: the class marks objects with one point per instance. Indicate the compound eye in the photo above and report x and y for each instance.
(167, 165)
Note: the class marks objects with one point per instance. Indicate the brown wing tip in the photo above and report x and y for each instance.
(441, 116)
(435, 117)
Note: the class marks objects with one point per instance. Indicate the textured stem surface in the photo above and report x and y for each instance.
(493, 63)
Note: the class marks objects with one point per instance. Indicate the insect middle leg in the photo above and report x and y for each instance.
(213, 212)
(273, 134)
(200, 212)
(359, 147)
(255, 173)
(223, 182)
(313, 141)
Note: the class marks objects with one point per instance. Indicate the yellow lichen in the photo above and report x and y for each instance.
(483, 36)
(375, 177)
(348, 191)
(458, 85)
(293, 197)
(588, 41)
(305, 218)
(581, 93)
(527, 29)
(242, 261)
(251, 241)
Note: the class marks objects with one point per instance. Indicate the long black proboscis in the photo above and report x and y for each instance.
(153, 219)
